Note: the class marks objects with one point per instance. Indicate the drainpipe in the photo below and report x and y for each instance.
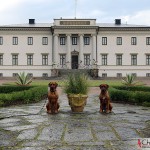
(52, 31)
(96, 42)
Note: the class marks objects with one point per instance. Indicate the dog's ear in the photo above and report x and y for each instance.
(56, 84)
(49, 84)
(100, 86)
(107, 86)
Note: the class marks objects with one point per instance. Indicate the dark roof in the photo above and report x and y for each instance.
(27, 25)
(46, 25)
(121, 25)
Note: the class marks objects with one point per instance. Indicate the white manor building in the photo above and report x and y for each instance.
(36, 48)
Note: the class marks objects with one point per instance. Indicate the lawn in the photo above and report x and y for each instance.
(92, 83)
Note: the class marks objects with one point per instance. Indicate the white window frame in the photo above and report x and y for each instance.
(44, 59)
(62, 40)
(29, 59)
(1, 40)
(86, 40)
(86, 59)
(45, 40)
(15, 40)
(30, 40)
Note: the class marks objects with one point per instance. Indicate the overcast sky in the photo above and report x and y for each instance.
(105, 11)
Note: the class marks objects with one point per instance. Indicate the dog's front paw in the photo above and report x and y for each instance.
(56, 111)
(101, 111)
(107, 111)
(49, 112)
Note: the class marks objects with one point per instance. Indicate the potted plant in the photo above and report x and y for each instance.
(76, 88)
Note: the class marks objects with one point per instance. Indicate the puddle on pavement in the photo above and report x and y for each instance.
(131, 112)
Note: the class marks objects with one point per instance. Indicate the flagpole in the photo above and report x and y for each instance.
(75, 8)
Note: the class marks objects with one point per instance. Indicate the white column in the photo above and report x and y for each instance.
(55, 52)
(68, 51)
(94, 47)
(81, 49)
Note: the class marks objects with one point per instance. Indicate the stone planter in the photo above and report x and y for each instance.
(94, 73)
(77, 102)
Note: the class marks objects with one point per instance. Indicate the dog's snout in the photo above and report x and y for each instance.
(103, 88)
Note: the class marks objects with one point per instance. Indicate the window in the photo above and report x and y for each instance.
(74, 40)
(119, 40)
(147, 40)
(30, 74)
(134, 74)
(104, 40)
(1, 40)
(30, 40)
(45, 40)
(104, 75)
(86, 40)
(45, 75)
(1, 60)
(1, 74)
(15, 74)
(104, 59)
(62, 40)
(147, 74)
(119, 59)
(62, 60)
(30, 59)
(133, 40)
(119, 75)
(133, 59)
(87, 59)
(15, 59)
(147, 59)
(15, 40)
(44, 59)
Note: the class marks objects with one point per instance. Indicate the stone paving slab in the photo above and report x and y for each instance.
(23, 128)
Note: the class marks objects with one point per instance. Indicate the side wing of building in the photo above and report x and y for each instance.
(123, 50)
(25, 48)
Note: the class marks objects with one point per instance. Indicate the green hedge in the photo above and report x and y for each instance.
(9, 89)
(133, 88)
(123, 94)
(33, 94)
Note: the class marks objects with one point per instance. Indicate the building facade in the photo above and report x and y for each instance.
(115, 49)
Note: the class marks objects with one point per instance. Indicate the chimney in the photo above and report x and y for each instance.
(31, 21)
(117, 21)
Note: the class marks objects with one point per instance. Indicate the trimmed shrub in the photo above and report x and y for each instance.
(121, 95)
(31, 95)
(133, 88)
(130, 94)
(9, 89)
(146, 104)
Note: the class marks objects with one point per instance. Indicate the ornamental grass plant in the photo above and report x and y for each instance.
(23, 79)
(129, 80)
(76, 84)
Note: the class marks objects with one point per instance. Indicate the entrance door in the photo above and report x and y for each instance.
(74, 61)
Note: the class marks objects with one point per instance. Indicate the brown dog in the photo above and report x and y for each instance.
(52, 105)
(105, 99)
